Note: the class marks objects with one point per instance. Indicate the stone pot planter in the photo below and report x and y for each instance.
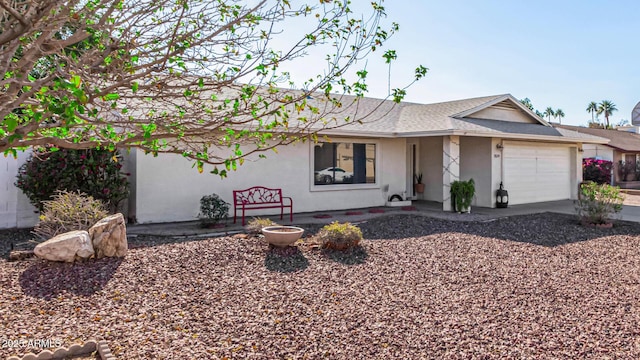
(282, 236)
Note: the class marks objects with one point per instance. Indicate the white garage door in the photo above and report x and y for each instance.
(535, 172)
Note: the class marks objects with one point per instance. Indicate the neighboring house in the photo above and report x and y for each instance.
(622, 146)
(490, 139)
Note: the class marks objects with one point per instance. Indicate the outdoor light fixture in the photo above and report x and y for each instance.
(499, 146)
(502, 197)
(580, 149)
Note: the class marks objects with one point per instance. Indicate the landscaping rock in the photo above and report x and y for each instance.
(16, 255)
(109, 237)
(67, 247)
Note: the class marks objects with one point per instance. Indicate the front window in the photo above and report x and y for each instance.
(344, 163)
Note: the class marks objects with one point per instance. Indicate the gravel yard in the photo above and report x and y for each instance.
(536, 286)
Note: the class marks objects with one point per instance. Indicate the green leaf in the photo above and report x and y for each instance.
(134, 86)
(389, 56)
(421, 71)
(76, 81)
(11, 123)
(111, 96)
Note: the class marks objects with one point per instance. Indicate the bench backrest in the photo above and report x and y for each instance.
(257, 195)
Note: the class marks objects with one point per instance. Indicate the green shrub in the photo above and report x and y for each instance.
(598, 202)
(68, 211)
(339, 236)
(212, 209)
(255, 225)
(462, 193)
(96, 173)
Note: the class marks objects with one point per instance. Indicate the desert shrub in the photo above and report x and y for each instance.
(94, 172)
(212, 209)
(597, 203)
(255, 225)
(339, 236)
(68, 211)
(598, 171)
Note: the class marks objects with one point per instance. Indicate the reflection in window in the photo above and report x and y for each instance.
(344, 163)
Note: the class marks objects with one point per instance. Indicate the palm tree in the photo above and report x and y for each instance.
(549, 113)
(607, 107)
(559, 115)
(592, 108)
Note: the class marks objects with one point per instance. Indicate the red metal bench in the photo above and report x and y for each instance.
(260, 197)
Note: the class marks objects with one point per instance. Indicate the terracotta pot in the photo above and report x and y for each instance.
(419, 188)
(282, 236)
(607, 225)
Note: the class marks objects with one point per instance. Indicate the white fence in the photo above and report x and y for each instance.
(15, 209)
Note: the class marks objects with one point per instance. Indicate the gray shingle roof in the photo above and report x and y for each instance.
(436, 117)
(410, 119)
(384, 118)
(621, 140)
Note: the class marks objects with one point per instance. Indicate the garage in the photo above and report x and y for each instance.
(535, 172)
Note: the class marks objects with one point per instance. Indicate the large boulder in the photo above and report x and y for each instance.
(109, 236)
(67, 247)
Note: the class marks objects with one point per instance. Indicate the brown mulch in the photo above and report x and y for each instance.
(536, 286)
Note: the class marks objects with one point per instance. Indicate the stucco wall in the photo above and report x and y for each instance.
(617, 157)
(597, 151)
(15, 208)
(168, 189)
(431, 167)
(496, 168)
(576, 170)
(475, 162)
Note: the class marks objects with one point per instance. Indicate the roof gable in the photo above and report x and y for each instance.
(502, 108)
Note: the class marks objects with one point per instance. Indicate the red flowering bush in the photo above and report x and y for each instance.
(95, 172)
(598, 171)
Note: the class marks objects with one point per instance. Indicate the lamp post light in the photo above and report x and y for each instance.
(502, 197)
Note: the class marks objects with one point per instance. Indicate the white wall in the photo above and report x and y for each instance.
(431, 167)
(576, 171)
(603, 152)
(475, 162)
(15, 208)
(168, 189)
(496, 168)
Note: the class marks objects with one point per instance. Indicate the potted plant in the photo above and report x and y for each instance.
(418, 186)
(212, 210)
(462, 193)
(281, 236)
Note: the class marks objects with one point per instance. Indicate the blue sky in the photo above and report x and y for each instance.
(562, 54)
